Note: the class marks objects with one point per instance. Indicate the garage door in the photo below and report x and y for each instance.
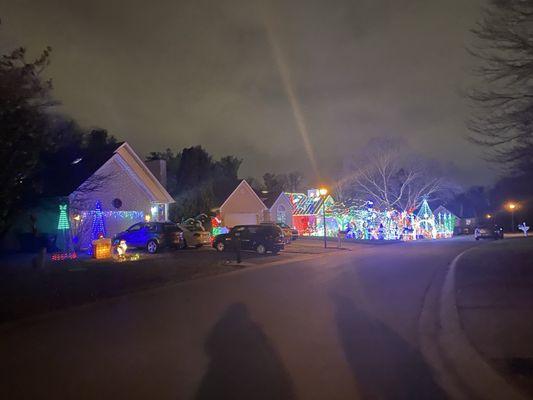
(233, 219)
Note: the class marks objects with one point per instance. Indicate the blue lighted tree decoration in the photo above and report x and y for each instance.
(98, 226)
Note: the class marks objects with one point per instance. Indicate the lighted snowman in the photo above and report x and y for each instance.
(121, 249)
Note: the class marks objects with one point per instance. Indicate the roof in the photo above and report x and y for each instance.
(245, 184)
(68, 170)
(138, 170)
(269, 198)
(224, 192)
(76, 169)
(305, 205)
(443, 210)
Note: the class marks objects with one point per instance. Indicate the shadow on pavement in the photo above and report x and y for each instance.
(383, 364)
(243, 364)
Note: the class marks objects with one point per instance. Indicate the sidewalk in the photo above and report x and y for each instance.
(494, 294)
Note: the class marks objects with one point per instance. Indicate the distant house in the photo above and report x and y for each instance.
(443, 210)
(279, 207)
(242, 207)
(308, 212)
(115, 178)
(463, 225)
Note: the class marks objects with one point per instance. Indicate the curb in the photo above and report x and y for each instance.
(472, 369)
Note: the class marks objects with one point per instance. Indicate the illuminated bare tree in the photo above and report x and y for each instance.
(384, 173)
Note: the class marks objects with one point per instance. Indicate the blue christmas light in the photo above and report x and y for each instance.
(98, 227)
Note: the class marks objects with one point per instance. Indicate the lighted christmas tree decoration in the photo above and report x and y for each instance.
(98, 226)
(63, 238)
(63, 219)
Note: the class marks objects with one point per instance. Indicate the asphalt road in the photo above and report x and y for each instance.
(343, 325)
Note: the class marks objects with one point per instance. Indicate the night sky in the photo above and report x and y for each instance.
(172, 73)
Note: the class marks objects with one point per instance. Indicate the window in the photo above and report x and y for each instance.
(134, 228)
(281, 214)
(171, 228)
(152, 227)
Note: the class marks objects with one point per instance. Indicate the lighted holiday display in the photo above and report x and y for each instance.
(216, 226)
(101, 248)
(98, 226)
(360, 220)
(63, 238)
(63, 224)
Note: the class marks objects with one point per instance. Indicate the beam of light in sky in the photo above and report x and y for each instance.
(283, 70)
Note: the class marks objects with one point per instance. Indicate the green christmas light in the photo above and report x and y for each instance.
(63, 224)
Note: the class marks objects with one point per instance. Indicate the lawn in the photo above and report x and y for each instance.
(25, 291)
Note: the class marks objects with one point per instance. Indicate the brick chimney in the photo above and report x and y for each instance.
(159, 169)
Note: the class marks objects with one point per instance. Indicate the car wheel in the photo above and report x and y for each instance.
(152, 246)
(260, 249)
(477, 238)
(220, 246)
(275, 251)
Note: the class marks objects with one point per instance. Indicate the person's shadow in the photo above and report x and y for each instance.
(243, 364)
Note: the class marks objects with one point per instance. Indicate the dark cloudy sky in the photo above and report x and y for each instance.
(171, 73)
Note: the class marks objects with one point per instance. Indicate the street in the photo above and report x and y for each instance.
(343, 325)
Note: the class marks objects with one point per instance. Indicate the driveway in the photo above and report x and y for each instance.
(341, 325)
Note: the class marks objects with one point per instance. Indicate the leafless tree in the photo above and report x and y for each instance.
(386, 174)
(503, 101)
(83, 197)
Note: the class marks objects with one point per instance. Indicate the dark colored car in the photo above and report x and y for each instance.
(260, 238)
(152, 236)
(488, 232)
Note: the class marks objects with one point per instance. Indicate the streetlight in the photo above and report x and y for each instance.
(323, 193)
(512, 207)
(488, 216)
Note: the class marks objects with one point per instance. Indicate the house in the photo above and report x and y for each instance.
(115, 178)
(242, 206)
(279, 207)
(308, 212)
(122, 189)
(463, 224)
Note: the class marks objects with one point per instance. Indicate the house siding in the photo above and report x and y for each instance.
(282, 200)
(243, 201)
(110, 182)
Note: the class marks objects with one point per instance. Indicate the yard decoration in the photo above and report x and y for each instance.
(122, 248)
(64, 256)
(426, 222)
(360, 220)
(101, 248)
(524, 228)
(216, 226)
(98, 226)
(64, 237)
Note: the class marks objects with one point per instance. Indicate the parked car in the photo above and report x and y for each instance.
(287, 231)
(152, 236)
(293, 232)
(195, 236)
(488, 232)
(260, 238)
